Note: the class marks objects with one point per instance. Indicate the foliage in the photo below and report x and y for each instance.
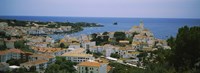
(15, 61)
(21, 45)
(62, 45)
(120, 68)
(2, 34)
(98, 54)
(61, 66)
(115, 55)
(94, 36)
(134, 33)
(119, 36)
(171, 42)
(88, 51)
(186, 53)
(100, 40)
(105, 33)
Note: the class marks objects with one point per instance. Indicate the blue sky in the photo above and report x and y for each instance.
(102, 8)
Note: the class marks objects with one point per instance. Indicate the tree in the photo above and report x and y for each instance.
(62, 45)
(19, 44)
(61, 66)
(105, 33)
(88, 51)
(53, 68)
(186, 53)
(13, 62)
(115, 55)
(98, 54)
(134, 33)
(33, 69)
(171, 42)
(119, 36)
(94, 36)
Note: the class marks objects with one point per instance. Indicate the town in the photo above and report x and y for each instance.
(88, 53)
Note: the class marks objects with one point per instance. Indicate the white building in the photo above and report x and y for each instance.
(50, 51)
(50, 58)
(88, 44)
(78, 55)
(10, 54)
(92, 67)
(74, 57)
(74, 45)
(38, 64)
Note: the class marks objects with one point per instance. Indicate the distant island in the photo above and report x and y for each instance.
(44, 28)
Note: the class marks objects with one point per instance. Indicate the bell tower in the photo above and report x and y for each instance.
(141, 24)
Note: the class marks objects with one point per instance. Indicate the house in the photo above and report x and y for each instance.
(74, 45)
(78, 55)
(109, 49)
(88, 44)
(50, 58)
(75, 57)
(40, 44)
(96, 49)
(106, 50)
(10, 54)
(124, 51)
(50, 51)
(92, 67)
(38, 64)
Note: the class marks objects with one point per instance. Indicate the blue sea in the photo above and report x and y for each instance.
(162, 28)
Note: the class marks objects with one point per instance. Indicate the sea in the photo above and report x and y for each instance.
(162, 28)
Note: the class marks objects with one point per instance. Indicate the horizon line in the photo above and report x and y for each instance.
(104, 17)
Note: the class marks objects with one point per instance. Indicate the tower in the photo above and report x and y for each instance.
(141, 24)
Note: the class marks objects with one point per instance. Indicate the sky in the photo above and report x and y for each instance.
(102, 8)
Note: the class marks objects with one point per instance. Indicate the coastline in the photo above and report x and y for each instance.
(161, 27)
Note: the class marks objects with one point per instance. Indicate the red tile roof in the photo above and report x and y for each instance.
(11, 51)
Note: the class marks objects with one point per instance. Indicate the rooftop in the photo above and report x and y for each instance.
(90, 63)
(77, 55)
(11, 51)
(36, 62)
(42, 55)
(46, 49)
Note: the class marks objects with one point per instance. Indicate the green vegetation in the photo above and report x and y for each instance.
(62, 45)
(100, 40)
(120, 68)
(115, 55)
(2, 34)
(14, 62)
(186, 49)
(119, 36)
(76, 27)
(97, 55)
(61, 66)
(20, 44)
(182, 58)
(105, 33)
